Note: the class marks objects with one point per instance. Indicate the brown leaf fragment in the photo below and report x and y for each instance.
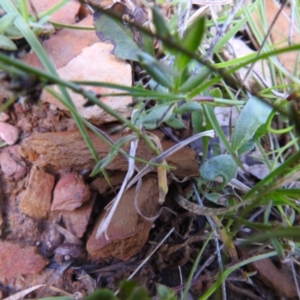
(9, 133)
(60, 150)
(11, 162)
(76, 221)
(128, 231)
(273, 277)
(15, 260)
(70, 192)
(36, 199)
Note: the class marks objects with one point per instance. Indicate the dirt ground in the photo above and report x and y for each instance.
(51, 208)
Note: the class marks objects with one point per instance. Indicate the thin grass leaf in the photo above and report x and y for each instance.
(226, 273)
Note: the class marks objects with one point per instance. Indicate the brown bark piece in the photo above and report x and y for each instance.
(36, 200)
(272, 276)
(70, 192)
(76, 221)
(275, 279)
(11, 163)
(15, 260)
(127, 231)
(59, 150)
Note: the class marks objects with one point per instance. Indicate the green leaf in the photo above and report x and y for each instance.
(127, 42)
(103, 294)
(158, 115)
(197, 121)
(249, 145)
(216, 93)
(254, 114)
(7, 21)
(222, 165)
(6, 43)
(191, 41)
(165, 293)
(129, 290)
(160, 72)
(213, 197)
(160, 23)
(100, 166)
(175, 123)
(194, 81)
(188, 107)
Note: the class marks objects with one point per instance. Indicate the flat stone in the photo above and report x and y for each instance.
(96, 63)
(36, 199)
(9, 133)
(15, 260)
(65, 15)
(83, 57)
(128, 231)
(70, 192)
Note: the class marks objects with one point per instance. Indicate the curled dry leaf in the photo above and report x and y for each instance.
(36, 199)
(9, 133)
(70, 192)
(274, 277)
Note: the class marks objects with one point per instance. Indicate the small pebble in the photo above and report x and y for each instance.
(9, 133)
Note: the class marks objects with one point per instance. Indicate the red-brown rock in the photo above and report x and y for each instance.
(127, 231)
(12, 165)
(70, 192)
(15, 260)
(76, 221)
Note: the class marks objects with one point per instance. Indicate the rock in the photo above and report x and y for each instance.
(66, 14)
(70, 192)
(62, 53)
(128, 231)
(36, 199)
(83, 57)
(9, 133)
(4, 117)
(76, 221)
(101, 185)
(15, 260)
(12, 164)
(60, 150)
(96, 63)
